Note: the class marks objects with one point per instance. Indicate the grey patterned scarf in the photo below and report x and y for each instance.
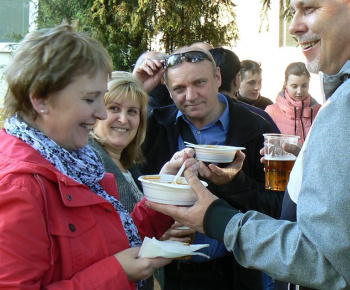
(82, 165)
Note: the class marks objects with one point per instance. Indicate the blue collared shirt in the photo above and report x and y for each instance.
(212, 134)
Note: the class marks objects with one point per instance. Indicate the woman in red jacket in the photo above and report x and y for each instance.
(62, 225)
(295, 109)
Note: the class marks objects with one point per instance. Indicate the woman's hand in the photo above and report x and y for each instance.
(177, 232)
(174, 164)
(139, 268)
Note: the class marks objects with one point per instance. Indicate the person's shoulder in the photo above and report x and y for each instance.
(244, 110)
(264, 102)
(249, 117)
(163, 113)
(271, 108)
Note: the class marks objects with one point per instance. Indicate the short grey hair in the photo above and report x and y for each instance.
(192, 48)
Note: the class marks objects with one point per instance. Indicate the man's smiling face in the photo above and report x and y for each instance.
(322, 29)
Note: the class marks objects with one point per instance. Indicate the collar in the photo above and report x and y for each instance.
(331, 82)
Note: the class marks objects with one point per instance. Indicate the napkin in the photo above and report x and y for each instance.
(152, 248)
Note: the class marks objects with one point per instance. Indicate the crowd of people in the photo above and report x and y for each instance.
(78, 134)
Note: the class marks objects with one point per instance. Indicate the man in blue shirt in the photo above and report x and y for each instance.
(202, 115)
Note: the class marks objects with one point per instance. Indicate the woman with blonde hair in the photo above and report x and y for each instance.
(118, 139)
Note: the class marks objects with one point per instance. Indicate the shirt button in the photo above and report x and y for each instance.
(72, 227)
(69, 197)
(198, 132)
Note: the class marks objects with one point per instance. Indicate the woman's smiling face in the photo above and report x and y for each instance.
(122, 123)
(70, 113)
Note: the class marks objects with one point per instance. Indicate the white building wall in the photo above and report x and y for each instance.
(4, 59)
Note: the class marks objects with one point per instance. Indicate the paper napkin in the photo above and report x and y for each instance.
(152, 248)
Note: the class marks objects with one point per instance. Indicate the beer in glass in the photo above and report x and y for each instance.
(278, 163)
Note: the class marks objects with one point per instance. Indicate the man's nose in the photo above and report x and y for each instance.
(298, 25)
(191, 94)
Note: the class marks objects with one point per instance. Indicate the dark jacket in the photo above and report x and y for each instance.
(159, 97)
(260, 112)
(261, 102)
(247, 190)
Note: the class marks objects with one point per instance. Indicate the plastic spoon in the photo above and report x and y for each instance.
(191, 144)
(178, 174)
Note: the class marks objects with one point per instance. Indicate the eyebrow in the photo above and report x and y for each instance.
(299, 4)
(116, 103)
(94, 93)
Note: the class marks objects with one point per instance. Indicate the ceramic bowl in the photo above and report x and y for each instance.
(215, 153)
(158, 188)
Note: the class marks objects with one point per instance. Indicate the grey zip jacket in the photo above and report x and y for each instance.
(314, 251)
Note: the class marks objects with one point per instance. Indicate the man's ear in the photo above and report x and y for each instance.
(237, 81)
(218, 77)
(39, 104)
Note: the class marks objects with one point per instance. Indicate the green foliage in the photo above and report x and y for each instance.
(128, 28)
(183, 22)
(284, 6)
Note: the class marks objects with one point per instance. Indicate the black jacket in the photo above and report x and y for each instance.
(247, 190)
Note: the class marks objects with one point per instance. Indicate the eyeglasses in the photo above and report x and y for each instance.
(190, 56)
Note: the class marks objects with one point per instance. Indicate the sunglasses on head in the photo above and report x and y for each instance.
(190, 56)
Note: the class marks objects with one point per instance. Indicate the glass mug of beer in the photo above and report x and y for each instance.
(278, 163)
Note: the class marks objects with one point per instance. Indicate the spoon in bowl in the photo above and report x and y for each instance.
(178, 174)
(191, 144)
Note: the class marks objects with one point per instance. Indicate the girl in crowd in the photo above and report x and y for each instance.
(295, 109)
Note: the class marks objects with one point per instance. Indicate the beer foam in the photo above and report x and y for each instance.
(281, 158)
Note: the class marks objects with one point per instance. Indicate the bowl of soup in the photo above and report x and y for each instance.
(159, 188)
(215, 153)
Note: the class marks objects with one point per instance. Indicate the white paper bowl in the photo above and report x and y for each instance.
(158, 188)
(215, 153)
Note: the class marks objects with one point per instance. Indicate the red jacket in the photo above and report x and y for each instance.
(57, 234)
(293, 117)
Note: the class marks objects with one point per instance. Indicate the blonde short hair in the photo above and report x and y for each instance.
(46, 61)
(124, 85)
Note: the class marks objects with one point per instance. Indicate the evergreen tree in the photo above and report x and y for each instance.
(128, 28)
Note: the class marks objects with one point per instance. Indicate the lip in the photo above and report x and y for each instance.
(193, 105)
(118, 129)
(308, 46)
(87, 126)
